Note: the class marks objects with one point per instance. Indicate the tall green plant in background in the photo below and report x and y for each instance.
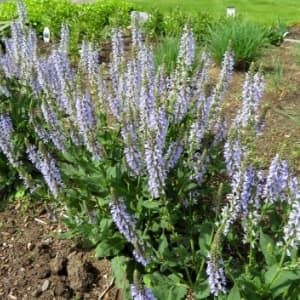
(246, 39)
(149, 172)
(166, 52)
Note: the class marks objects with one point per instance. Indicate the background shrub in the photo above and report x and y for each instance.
(42, 13)
(91, 21)
(171, 23)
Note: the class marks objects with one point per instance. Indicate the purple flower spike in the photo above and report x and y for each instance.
(6, 136)
(64, 38)
(126, 224)
(47, 166)
(291, 231)
(22, 12)
(141, 293)
(187, 48)
(216, 276)
(277, 180)
(86, 122)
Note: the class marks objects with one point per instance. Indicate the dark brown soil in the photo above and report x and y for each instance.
(36, 265)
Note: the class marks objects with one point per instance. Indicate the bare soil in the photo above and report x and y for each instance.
(36, 265)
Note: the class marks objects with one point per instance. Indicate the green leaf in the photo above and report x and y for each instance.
(270, 273)
(249, 287)
(105, 224)
(283, 281)
(119, 266)
(109, 247)
(150, 204)
(205, 238)
(163, 249)
(111, 172)
(234, 293)
(20, 192)
(166, 287)
(267, 246)
(202, 291)
(65, 235)
(189, 187)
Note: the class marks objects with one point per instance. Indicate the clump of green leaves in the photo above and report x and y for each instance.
(171, 24)
(166, 52)
(246, 39)
(276, 32)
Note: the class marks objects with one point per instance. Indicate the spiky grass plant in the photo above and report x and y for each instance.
(246, 39)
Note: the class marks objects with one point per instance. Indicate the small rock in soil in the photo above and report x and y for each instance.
(45, 285)
(60, 288)
(37, 293)
(57, 265)
(43, 272)
(78, 274)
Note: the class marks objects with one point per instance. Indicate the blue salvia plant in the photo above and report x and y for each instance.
(148, 170)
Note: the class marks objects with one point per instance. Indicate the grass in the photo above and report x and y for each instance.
(165, 53)
(262, 11)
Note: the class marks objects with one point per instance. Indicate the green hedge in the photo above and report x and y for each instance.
(89, 21)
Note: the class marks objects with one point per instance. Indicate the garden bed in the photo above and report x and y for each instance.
(34, 264)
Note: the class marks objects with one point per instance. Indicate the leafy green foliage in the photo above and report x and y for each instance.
(170, 24)
(90, 21)
(166, 287)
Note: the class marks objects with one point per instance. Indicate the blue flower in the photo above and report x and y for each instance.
(277, 180)
(141, 293)
(6, 138)
(126, 224)
(47, 166)
(216, 275)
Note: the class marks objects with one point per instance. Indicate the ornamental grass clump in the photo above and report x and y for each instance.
(246, 39)
(147, 169)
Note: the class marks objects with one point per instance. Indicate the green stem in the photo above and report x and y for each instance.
(190, 281)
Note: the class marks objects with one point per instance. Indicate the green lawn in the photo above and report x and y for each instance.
(263, 11)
